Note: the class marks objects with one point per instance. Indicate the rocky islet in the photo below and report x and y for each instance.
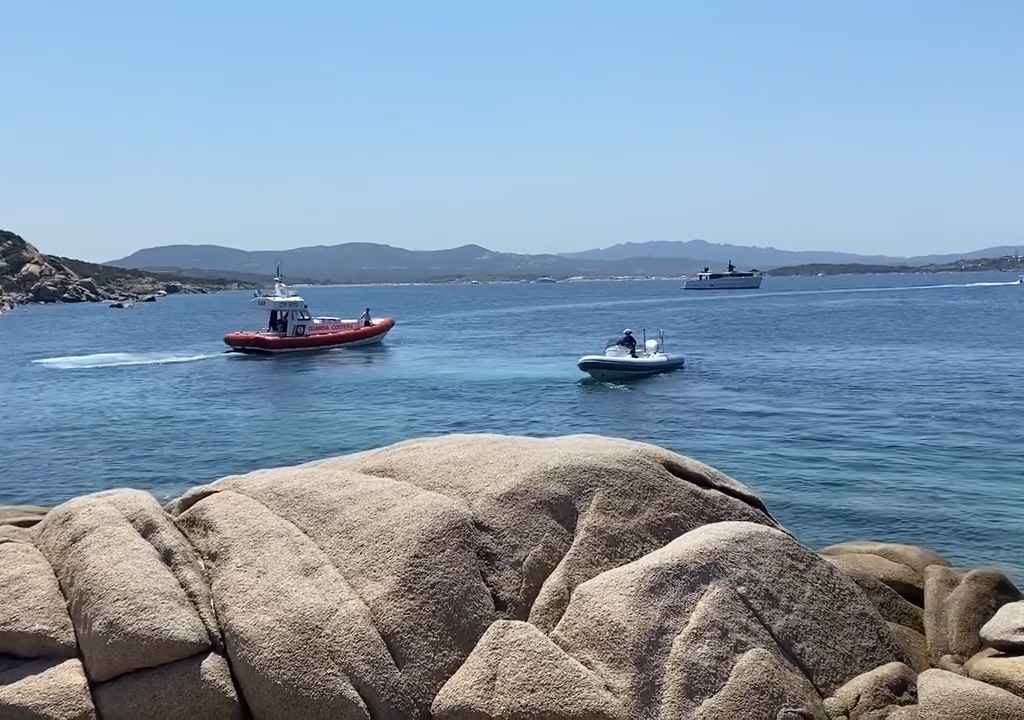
(473, 577)
(27, 276)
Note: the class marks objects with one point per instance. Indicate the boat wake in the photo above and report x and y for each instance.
(107, 360)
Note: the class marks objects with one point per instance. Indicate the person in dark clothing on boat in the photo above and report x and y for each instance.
(628, 341)
(364, 319)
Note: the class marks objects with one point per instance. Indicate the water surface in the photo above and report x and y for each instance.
(861, 406)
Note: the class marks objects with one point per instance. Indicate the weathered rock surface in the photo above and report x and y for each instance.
(42, 690)
(21, 515)
(891, 605)
(999, 669)
(492, 527)
(517, 671)
(128, 608)
(1005, 631)
(553, 513)
(957, 606)
(913, 644)
(34, 620)
(912, 556)
(156, 693)
(903, 579)
(622, 623)
(477, 578)
(947, 696)
(874, 694)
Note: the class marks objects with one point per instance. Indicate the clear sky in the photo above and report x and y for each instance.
(890, 127)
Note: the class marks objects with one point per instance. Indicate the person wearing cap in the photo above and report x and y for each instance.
(628, 341)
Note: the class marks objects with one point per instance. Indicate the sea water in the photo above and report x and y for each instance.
(887, 407)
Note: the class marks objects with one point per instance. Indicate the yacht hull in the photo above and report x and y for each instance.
(724, 283)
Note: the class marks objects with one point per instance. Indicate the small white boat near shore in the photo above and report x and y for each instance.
(617, 364)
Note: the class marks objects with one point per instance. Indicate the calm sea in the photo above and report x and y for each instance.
(887, 407)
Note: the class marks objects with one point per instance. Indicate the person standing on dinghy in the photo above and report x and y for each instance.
(628, 341)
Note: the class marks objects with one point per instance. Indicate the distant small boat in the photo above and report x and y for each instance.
(545, 280)
(1020, 280)
(122, 304)
(618, 364)
(731, 280)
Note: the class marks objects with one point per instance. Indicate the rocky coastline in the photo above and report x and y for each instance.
(29, 276)
(477, 577)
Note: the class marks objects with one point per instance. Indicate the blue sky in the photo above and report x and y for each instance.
(874, 126)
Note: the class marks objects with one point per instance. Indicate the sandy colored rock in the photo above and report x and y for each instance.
(515, 672)
(411, 556)
(158, 529)
(761, 687)
(622, 623)
(439, 538)
(196, 688)
(909, 712)
(128, 609)
(901, 578)
(912, 556)
(21, 515)
(892, 606)
(1004, 671)
(944, 695)
(300, 641)
(13, 533)
(957, 606)
(555, 512)
(45, 690)
(1005, 631)
(914, 645)
(34, 619)
(867, 695)
(704, 656)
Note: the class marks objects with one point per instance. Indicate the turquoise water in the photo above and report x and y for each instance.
(871, 406)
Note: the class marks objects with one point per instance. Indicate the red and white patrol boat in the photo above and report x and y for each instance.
(291, 328)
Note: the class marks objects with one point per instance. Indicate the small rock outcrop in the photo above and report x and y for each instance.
(27, 276)
(486, 578)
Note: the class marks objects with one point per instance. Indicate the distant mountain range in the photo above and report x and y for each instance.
(370, 262)
(766, 258)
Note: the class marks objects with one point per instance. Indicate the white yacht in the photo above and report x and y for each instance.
(731, 280)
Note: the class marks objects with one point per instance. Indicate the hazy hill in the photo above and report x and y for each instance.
(369, 262)
(766, 258)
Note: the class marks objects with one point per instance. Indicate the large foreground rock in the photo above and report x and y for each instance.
(422, 546)
(778, 628)
(476, 578)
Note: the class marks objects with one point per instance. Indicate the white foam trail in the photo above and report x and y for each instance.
(106, 360)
